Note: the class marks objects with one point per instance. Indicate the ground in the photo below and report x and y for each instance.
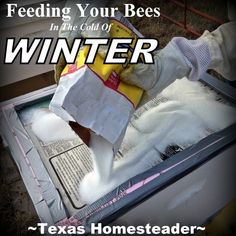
(16, 209)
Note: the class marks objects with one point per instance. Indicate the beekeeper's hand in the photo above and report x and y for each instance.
(76, 21)
(190, 58)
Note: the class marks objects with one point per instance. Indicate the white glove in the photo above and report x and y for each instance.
(169, 64)
(190, 58)
(181, 57)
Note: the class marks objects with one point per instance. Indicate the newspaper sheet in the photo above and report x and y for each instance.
(68, 161)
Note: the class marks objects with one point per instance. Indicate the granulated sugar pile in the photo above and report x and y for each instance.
(49, 128)
(188, 113)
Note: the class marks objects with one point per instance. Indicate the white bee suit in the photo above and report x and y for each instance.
(191, 58)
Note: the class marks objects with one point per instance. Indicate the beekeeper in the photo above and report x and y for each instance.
(181, 57)
(191, 58)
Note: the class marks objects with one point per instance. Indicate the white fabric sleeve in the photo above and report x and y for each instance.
(222, 46)
(191, 58)
(215, 50)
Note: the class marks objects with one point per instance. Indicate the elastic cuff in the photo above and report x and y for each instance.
(214, 49)
(195, 53)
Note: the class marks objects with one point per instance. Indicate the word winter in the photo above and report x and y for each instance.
(117, 50)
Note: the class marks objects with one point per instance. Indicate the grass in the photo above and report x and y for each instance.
(16, 209)
(165, 30)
